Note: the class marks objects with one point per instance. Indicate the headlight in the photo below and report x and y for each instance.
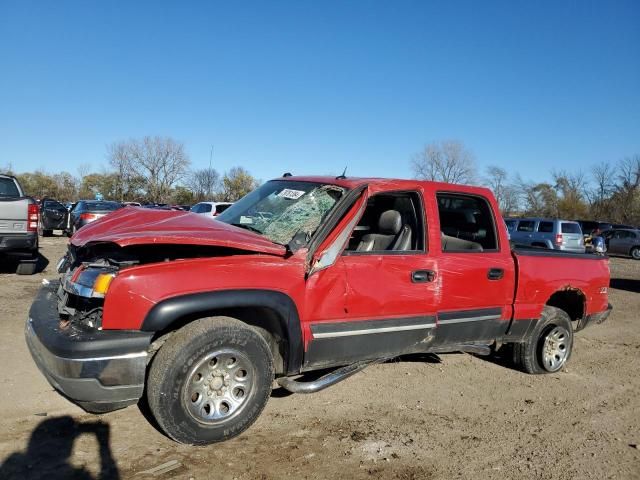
(89, 282)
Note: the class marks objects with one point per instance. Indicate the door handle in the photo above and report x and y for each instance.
(495, 273)
(423, 276)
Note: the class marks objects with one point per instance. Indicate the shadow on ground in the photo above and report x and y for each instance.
(10, 264)
(628, 284)
(48, 453)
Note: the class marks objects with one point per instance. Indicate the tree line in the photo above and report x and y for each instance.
(609, 191)
(151, 169)
(158, 170)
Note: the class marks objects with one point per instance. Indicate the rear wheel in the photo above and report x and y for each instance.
(635, 253)
(210, 381)
(549, 346)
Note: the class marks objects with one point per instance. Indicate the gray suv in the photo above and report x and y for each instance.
(548, 233)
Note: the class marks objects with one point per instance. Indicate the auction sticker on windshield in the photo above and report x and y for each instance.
(291, 194)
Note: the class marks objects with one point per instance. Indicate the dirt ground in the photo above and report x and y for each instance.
(463, 417)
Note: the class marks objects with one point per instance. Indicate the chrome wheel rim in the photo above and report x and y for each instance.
(635, 253)
(555, 349)
(219, 386)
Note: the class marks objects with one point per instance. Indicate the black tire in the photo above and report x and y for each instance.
(26, 268)
(555, 326)
(178, 395)
(635, 253)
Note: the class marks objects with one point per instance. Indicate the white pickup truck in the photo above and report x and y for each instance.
(18, 226)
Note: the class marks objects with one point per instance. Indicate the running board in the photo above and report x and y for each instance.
(327, 380)
(465, 347)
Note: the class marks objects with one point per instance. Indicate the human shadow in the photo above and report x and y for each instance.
(49, 452)
(628, 284)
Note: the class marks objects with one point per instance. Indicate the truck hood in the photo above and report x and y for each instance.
(143, 226)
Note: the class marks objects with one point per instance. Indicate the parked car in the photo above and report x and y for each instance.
(211, 209)
(588, 227)
(87, 211)
(623, 241)
(548, 233)
(18, 225)
(53, 216)
(343, 274)
(622, 226)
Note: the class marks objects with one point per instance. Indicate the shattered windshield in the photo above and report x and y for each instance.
(281, 210)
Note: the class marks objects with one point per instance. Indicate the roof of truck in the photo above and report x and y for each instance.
(377, 183)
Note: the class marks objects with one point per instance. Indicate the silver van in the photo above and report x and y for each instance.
(550, 233)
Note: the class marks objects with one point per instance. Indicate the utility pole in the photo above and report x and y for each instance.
(210, 176)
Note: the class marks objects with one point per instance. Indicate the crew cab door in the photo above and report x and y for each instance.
(53, 215)
(475, 267)
(390, 295)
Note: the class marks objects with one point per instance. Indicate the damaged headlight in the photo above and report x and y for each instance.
(90, 282)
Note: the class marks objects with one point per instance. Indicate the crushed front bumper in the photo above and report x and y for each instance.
(100, 370)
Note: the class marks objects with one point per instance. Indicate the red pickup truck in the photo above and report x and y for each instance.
(304, 273)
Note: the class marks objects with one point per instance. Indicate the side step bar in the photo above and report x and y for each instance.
(327, 380)
(339, 374)
(465, 347)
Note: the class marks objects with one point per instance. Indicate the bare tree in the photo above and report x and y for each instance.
(629, 172)
(7, 169)
(506, 193)
(204, 183)
(83, 170)
(603, 176)
(625, 201)
(446, 161)
(159, 162)
(570, 194)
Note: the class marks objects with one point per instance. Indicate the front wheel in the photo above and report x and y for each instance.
(549, 346)
(210, 381)
(635, 253)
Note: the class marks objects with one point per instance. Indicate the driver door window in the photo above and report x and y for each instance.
(391, 224)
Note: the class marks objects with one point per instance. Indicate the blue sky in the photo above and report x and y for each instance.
(310, 87)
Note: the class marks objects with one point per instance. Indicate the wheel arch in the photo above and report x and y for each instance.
(571, 300)
(272, 312)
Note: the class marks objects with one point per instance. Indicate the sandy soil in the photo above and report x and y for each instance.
(463, 417)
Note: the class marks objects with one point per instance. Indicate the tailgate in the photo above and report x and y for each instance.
(13, 214)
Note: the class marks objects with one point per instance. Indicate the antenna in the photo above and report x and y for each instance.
(343, 176)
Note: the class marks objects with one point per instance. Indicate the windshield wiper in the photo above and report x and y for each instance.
(247, 227)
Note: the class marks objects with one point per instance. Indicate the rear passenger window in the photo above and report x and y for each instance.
(545, 227)
(466, 223)
(570, 228)
(511, 225)
(526, 226)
